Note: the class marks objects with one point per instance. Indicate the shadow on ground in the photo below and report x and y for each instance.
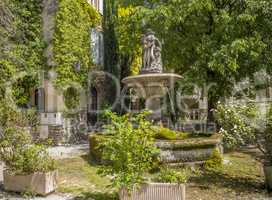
(90, 160)
(219, 179)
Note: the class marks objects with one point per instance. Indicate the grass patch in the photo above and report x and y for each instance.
(78, 176)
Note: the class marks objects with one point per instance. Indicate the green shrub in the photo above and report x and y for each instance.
(131, 151)
(21, 156)
(237, 124)
(96, 146)
(215, 162)
(167, 175)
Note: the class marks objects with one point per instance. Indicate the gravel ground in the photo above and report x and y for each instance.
(62, 152)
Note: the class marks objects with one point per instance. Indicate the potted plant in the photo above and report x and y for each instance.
(29, 168)
(130, 154)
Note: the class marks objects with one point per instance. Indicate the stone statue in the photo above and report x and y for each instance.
(152, 62)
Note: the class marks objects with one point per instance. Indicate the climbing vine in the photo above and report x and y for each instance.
(72, 42)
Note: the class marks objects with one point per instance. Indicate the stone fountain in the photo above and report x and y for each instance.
(152, 83)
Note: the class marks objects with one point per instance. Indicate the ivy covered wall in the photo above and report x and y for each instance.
(21, 49)
(72, 42)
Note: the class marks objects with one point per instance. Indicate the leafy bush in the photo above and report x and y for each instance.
(215, 162)
(131, 151)
(236, 123)
(167, 175)
(21, 156)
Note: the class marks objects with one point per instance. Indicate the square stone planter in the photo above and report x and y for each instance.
(268, 177)
(38, 183)
(155, 191)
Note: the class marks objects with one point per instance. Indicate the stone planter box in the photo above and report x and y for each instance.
(155, 191)
(38, 183)
(268, 177)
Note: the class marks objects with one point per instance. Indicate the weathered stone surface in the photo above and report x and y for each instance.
(178, 156)
(189, 150)
(38, 183)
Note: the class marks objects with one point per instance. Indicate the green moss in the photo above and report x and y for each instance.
(168, 134)
(165, 133)
(192, 143)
